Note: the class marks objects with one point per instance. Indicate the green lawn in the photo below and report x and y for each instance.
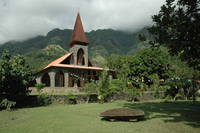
(181, 117)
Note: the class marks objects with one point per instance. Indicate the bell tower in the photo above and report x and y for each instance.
(78, 45)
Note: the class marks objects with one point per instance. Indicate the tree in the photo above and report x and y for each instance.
(121, 64)
(90, 88)
(116, 86)
(177, 27)
(103, 85)
(148, 62)
(15, 77)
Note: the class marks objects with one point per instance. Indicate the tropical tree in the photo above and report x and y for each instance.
(15, 77)
(177, 27)
(103, 85)
(148, 62)
(121, 64)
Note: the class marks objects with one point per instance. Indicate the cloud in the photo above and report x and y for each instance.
(24, 19)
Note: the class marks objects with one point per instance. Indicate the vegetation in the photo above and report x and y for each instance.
(90, 88)
(44, 57)
(44, 99)
(177, 27)
(71, 98)
(148, 62)
(15, 77)
(133, 93)
(121, 64)
(45, 49)
(39, 87)
(117, 86)
(8, 104)
(103, 86)
(159, 117)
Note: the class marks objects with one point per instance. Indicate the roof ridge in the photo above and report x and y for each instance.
(59, 60)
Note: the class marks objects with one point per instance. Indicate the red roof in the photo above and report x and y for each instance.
(78, 35)
(57, 63)
(59, 60)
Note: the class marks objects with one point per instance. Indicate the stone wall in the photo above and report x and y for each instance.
(62, 99)
(58, 89)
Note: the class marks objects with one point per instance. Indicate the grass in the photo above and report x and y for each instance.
(161, 117)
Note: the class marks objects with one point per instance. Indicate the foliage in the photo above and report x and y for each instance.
(44, 56)
(121, 64)
(103, 85)
(148, 62)
(8, 104)
(182, 78)
(102, 43)
(116, 86)
(44, 99)
(90, 88)
(155, 86)
(15, 77)
(177, 27)
(39, 87)
(133, 93)
(71, 98)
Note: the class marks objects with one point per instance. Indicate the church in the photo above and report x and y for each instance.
(74, 69)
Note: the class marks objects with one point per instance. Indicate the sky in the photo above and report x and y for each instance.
(23, 19)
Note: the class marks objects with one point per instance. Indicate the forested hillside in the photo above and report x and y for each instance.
(103, 43)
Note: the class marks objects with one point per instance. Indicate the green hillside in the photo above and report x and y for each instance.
(38, 60)
(45, 49)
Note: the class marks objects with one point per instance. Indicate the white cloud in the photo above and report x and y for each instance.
(23, 19)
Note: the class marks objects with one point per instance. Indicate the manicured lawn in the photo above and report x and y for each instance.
(181, 117)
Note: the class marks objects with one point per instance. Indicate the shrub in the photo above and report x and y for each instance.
(90, 88)
(39, 87)
(156, 94)
(116, 86)
(44, 99)
(8, 104)
(133, 93)
(71, 98)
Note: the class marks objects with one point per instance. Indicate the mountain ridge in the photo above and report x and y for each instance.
(103, 42)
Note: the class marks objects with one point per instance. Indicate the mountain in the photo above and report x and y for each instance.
(38, 60)
(102, 43)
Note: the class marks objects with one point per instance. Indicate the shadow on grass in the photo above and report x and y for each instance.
(181, 111)
(123, 120)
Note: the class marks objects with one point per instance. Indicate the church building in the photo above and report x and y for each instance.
(73, 69)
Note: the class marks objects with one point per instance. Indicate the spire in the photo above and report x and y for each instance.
(78, 35)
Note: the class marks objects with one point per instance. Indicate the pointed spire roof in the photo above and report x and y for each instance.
(78, 35)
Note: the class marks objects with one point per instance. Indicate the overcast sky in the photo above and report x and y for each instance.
(23, 19)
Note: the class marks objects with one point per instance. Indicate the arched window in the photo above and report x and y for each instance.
(46, 79)
(80, 57)
(59, 79)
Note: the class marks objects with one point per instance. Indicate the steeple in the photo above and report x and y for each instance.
(78, 35)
